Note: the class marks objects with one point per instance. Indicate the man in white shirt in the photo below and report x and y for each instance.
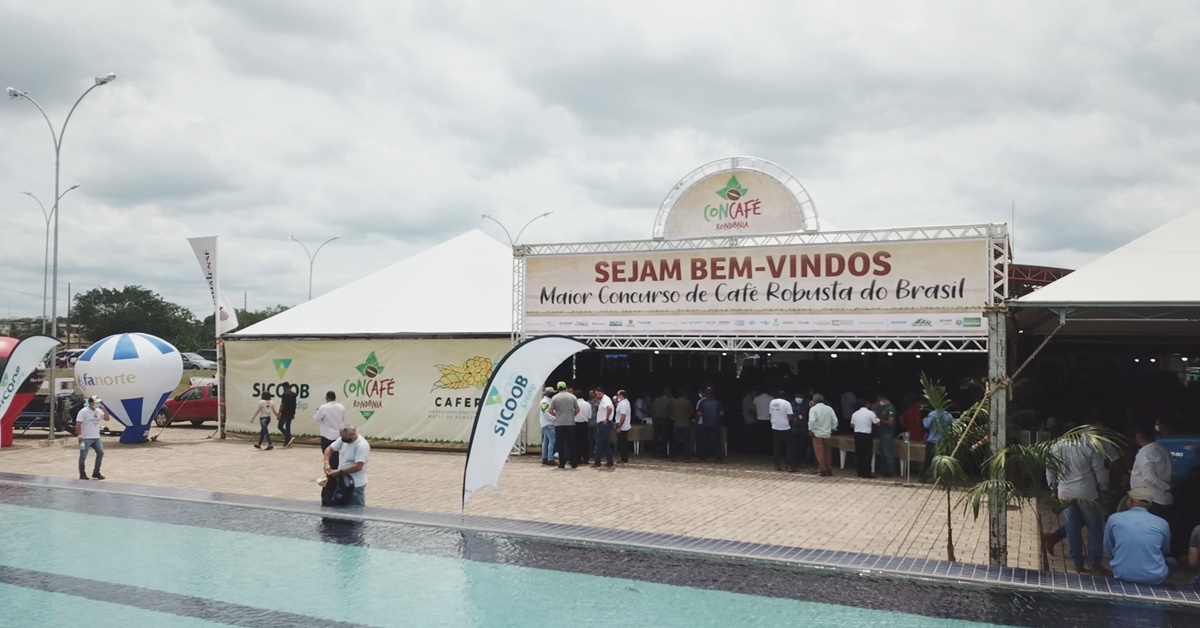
(329, 421)
(604, 424)
(87, 431)
(624, 424)
(547, 422)
(579, 448)
(353, 451)
(1152, 470)
(863, 420)
(761, 431)
(782, 417)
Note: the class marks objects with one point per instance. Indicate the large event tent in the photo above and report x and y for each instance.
(1145, 288)
(407, 348)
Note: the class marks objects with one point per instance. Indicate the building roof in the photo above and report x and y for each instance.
(460, 287)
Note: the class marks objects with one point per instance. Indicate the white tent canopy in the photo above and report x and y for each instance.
(460, 287)
(1144, 287)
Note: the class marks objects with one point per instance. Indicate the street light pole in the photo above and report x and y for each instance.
(57, 137)
(312, 258)
(46, 254)
(513, 241)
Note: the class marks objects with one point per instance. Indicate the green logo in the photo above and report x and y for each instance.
(371, 367)
(922, 322)
(282, 365)
(972, 321)
(732, 190)
(493, 397)
(366, 414)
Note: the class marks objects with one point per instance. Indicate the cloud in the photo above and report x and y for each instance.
(396, 125)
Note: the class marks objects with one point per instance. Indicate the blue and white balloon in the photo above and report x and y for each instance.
(133, 374)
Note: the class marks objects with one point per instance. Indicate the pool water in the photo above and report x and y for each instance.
(82, 558)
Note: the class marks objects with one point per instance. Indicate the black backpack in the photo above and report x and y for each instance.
(338, 492)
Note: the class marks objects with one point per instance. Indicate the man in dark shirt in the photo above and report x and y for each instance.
(709, 411)
(802, 452)
(287, 412)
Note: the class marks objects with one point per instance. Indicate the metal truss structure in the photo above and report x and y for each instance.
(998, 263)
(808, 209)
(1035, 275)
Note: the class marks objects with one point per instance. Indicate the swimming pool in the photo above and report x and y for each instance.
(86, 557)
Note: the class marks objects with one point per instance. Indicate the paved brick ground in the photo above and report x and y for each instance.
(745, 500)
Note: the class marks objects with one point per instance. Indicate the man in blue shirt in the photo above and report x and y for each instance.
(1138, 541)
(708, 438)
(935, 424)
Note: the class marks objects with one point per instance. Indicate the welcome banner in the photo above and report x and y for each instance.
(424, 391)
(513, 391)
(881, 287)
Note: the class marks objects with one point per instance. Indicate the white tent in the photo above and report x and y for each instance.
(1146, 287)
(406, 349)
(460, 287)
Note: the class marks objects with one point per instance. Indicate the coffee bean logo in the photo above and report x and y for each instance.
(733, 195)
(370, 371)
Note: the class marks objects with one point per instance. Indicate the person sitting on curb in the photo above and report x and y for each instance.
(1138, 541)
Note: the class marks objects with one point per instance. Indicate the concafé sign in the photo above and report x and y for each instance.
(921, 286)
(734, 202)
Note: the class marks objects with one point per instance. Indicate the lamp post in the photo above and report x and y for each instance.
(312, 257)
(57, 136)
(513, 241)
(46, 255)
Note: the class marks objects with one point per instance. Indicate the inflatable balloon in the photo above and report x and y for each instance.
(133, 374)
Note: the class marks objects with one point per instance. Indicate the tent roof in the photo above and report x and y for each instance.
(1147, 272)
(461, 286)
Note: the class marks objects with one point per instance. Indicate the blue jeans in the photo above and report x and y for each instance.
(603, 446)
(1075, 517)
(887, 450)
(548, 443)
(285, 427)
(84, 446)
(265, 433)
(359, 498)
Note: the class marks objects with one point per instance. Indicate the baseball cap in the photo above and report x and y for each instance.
(562, 385)
(549, 389)
(1142, 495)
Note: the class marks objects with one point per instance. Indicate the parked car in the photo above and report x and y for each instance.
(195, 362)
(68, 357)
(37, 413)
(208, 354)
(196, 404)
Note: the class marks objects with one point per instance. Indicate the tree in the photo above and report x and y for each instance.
(247, 318)
(104, 312)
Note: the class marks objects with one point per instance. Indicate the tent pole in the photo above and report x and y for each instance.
(997, 408)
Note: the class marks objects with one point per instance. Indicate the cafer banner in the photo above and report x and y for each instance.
(403, 390)
(893, 288)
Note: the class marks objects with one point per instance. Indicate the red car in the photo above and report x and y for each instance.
(196, 404)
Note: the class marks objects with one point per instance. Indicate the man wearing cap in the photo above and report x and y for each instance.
(87, 430)
(563, 408)
(1138, 541)
(546, 420)
(353, 451)
(1081, 477)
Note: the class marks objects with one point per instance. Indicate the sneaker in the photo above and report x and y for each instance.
(97, 476)
(270, 447)
(83, 476)
(258, 445)
(290, 441)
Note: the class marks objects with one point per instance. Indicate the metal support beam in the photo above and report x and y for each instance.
(997, 416)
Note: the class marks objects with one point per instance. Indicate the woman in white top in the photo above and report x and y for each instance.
(263, 413)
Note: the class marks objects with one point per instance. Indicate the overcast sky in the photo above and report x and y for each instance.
(395, 124)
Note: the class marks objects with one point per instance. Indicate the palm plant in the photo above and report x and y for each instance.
(1017, 473)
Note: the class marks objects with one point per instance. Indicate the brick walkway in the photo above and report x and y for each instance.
(745, 500)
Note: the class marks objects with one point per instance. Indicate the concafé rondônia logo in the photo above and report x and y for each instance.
(738, 208)
(368, 392)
